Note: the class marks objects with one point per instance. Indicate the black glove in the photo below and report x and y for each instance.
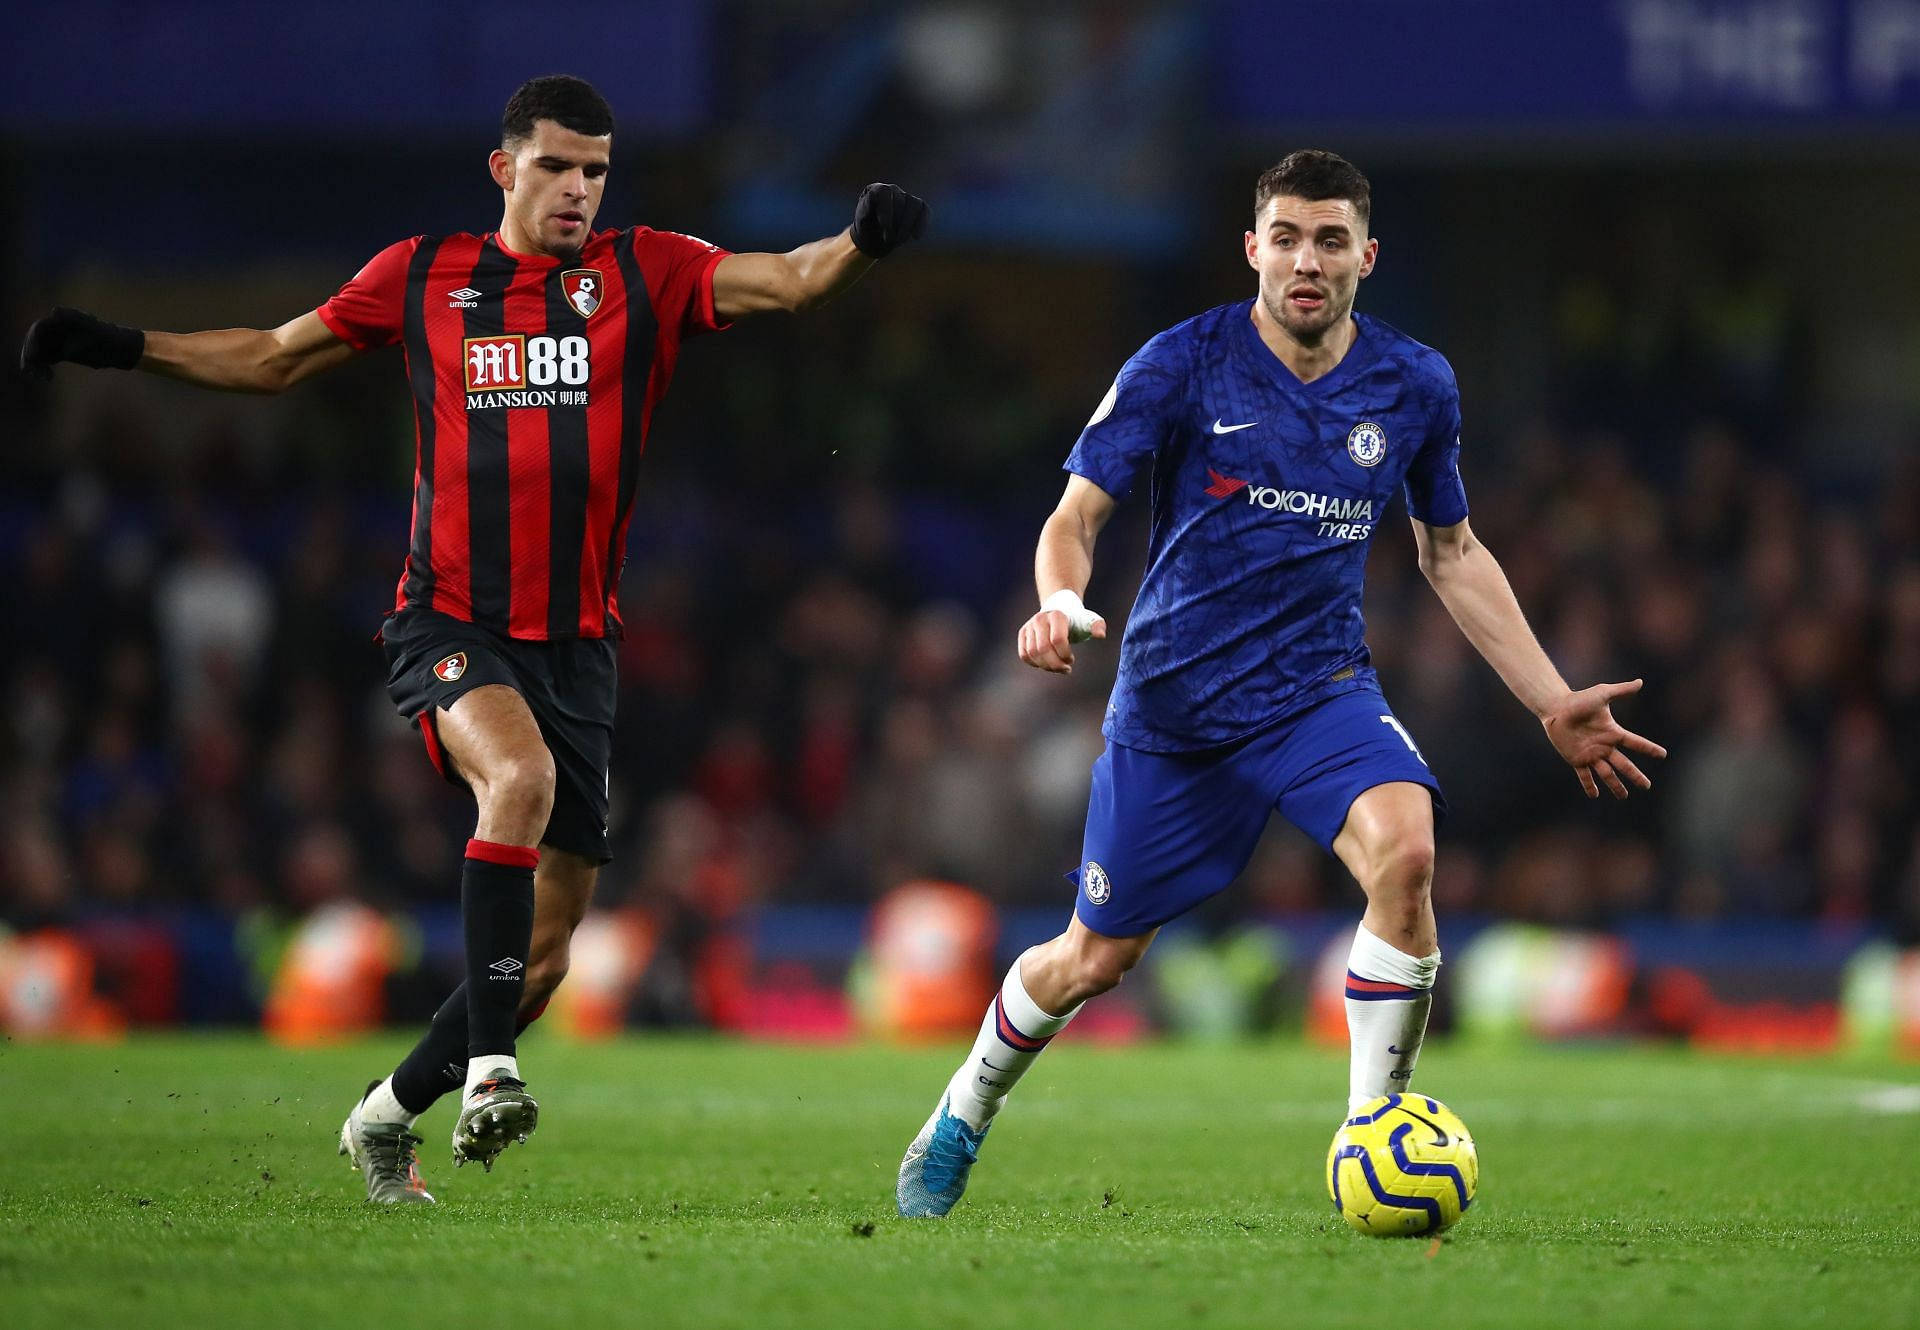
(68, 334)
(885, 218)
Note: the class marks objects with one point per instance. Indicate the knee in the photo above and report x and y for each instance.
(1410, 862)
(1403, 872)
(520, 790)
(1099, 968)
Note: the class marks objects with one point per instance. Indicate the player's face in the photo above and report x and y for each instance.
(553, 181)
(1311, 255)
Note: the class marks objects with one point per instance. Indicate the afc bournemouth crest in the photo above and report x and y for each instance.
(582, 287)
(1367, 443)
(450, 669)
(1096, 883)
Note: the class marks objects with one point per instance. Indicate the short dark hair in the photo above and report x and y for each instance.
(1314, 174)
(569, 102)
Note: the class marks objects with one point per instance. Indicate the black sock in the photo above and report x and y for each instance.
(496, 912)
(438, 1063)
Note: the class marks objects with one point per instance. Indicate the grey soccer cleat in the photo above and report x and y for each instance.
(497, 1113)
(386, 1155)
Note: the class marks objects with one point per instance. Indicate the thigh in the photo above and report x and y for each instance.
(1386, 824)
(486, 731)
(1164, 832)
(434, 661)
(1336, 752)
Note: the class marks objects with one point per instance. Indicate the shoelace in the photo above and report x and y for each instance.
(962, 1143)
(393, 1151)
(949, 1151)
(496, 1083)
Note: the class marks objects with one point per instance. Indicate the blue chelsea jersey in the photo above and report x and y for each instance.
(1266, 492)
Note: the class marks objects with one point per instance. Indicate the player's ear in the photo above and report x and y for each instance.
(1368, 256)
(1253, 250)
(500, 167)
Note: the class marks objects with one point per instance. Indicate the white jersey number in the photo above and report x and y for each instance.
(548, 359)
(1405, 738)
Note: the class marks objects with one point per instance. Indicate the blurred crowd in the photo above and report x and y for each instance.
(819, 693)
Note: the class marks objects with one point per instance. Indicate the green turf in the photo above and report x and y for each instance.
(715, 1184)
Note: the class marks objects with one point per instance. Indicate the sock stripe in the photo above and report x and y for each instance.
(512, 856)
(1010, 1035)
(1380, 990)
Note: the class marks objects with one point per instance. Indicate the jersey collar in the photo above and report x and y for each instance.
(535, 260)
(1364, 351)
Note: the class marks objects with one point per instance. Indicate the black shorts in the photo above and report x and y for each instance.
(434, 659)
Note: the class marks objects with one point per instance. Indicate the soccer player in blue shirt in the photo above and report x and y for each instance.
(1275, 432)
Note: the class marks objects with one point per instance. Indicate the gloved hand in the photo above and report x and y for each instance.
(885, 218)
(69, 334)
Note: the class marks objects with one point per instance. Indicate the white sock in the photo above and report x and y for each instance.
(381, 1106)
(1014, 1033)
(491, 1065)
(1388, 996)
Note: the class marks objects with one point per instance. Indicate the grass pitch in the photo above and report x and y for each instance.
(713, 1184)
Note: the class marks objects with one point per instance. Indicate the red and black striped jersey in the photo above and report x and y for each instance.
(533, 385)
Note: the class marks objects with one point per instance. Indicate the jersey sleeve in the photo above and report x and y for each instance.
(1132, 420)
(1435, 495)
(369, 311)
(679, 274)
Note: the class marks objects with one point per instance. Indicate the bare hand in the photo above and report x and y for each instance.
(1045, 640)
(1582, 730)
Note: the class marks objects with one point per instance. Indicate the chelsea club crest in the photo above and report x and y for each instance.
(1367, 443)
(1099, 889)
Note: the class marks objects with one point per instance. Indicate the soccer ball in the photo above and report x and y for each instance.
(1403, 1164)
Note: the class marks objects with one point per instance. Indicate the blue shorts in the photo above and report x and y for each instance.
(1167, 830)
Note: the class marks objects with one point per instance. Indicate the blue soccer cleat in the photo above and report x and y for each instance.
(933, 1176)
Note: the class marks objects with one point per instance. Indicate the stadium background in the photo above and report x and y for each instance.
(1661, 242)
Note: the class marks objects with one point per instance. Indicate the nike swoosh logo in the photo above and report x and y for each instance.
(1218, 428)
(1397, 1052)
(1439, 1136)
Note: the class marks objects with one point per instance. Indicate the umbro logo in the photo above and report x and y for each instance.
(1224, 487)
(505, 968)
(465, 298)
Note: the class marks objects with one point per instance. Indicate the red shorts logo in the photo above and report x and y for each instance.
(582, 287)
(496, 362)
(450, 669)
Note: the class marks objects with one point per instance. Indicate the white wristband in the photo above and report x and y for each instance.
(1080, 619)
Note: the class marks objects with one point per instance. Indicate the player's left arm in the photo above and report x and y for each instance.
(1580, 725)
(885, 218)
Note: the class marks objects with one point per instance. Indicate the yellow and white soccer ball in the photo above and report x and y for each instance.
(1401, 1165)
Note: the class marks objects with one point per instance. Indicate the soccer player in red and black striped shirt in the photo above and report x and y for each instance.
(536, 355)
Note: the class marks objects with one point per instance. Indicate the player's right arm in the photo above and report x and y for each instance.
(237, 359)
(1062, 566)
(1127, 428)
(247, 360)
(366, 313)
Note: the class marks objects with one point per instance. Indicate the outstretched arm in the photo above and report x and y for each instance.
(253, 360)
(248, 360)
(1580, 725)
(1062, 566)
(885, 218)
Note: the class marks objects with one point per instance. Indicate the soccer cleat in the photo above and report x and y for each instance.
(933, 1176)
(497, 1112)
(386, 1155)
